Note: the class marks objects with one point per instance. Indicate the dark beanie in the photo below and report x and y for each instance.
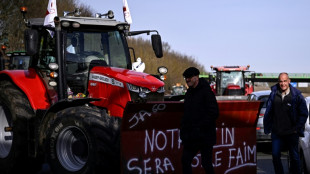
(190, 72)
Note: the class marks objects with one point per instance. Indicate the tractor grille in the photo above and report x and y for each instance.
(152, 96)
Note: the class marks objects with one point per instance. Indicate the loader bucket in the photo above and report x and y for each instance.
(150, 140)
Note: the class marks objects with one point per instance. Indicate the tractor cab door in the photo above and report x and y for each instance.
(41, 60)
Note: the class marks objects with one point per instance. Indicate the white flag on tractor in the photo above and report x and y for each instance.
(50, 14)
(126, 11)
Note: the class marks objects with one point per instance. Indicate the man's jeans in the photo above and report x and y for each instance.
(190, 151)
(291, 143)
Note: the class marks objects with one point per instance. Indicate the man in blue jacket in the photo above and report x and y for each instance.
(198, 125)
(285, 117)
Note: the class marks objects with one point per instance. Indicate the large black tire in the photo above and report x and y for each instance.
(83, 140)
(15, 110)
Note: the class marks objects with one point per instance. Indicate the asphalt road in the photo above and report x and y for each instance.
(264, 159)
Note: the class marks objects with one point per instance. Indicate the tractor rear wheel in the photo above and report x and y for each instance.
(15, 111)
(83, 140)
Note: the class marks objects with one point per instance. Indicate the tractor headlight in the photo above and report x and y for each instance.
(161, 89)
(76, 25)
(53, 66)
(162, 70)
(133, 88)
(123, 27)
(145, 90)
(137, 89)
(65, 24)
(52, 83)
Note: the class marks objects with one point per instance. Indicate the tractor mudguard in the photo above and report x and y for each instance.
(150, 140)
(30, 83)
(62, 104)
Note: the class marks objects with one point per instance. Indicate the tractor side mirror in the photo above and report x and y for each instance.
(31, 41)
(157, 45)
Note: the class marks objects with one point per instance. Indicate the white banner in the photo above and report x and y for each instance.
(50, 14)
(126, 11)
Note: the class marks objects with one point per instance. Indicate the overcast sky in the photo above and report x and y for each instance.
(269, 35)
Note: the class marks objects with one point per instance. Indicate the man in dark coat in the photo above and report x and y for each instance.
(198, 125)
(285, 117)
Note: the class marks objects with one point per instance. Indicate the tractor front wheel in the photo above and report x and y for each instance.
(83, 140)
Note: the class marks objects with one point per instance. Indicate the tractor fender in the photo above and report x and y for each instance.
(30, 84)
(66, 103)
(51, 112)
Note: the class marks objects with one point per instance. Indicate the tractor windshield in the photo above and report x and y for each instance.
(229, 78)
(83, 47)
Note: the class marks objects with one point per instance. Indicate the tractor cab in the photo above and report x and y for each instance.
(80, 46)
(83, 43)
(86, 47)
(231, 81)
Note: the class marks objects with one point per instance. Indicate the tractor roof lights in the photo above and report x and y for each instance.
(110, 14)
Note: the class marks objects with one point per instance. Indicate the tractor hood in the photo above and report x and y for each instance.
(121, 76)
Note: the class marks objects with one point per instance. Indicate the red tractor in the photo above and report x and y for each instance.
(66, 108)
(231, 81)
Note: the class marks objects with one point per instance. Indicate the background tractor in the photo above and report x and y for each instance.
(13, 60)
(231, 80)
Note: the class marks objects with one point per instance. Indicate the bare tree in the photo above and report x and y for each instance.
(11, 21)
(12, 29)
(175, 62)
